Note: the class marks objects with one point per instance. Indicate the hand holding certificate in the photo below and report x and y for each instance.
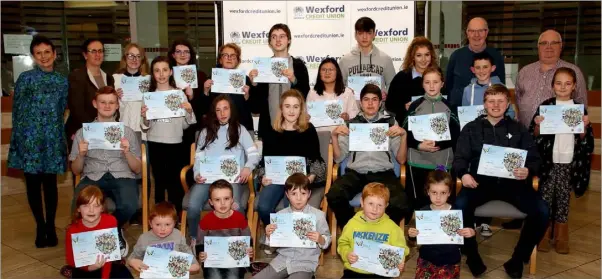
(228, 80)
(439, 226)
(214, 168)
(185, 76)
(103, 135)
(430, 127)
(279, 168)
(133, 87)
(469, 113)
(561, 119)
(368, 137)
(377, 258)
(88, 245)
(291, 230)
(163, 263)
(357, 83)
(227, 252)
(164, 104)
(500, 161)
(269, 69)
(325, 113)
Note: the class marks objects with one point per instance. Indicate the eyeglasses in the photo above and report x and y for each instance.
(96, 51)
(480, 31)
(231, 56)
(326, 70)
(133, 57)
(546, 43)
(183, 52)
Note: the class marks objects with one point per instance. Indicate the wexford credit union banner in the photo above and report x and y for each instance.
(319, 29)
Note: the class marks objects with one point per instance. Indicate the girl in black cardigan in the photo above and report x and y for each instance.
(566, 163)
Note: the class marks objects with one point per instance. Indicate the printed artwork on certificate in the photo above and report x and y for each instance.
(279, 168)
(225, 167)
(227, 252)
(430, 127)
(229, 81)
(325, 113)
(164, 104)
(269, 69)
(88, 245)
(562, 119)
(292, 229)
(500, 161)
(467, 114)
(163, 263)
(439, 227)
(103, 135)
(185, 76)
(133, 87)
(368, 137)
(357, 83)
(377, 258)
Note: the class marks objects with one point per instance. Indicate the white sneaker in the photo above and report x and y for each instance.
(123, 244)
(264, 242)
(485, 230)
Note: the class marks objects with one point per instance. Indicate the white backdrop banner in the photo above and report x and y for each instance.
(319, 29)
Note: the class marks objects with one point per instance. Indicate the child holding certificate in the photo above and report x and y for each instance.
(162, 235)
(425, 155)
(566, 161)
(88, 216)
(370, 223)
(224, 221)
(298, 262)
(439, 260)
(164, 137)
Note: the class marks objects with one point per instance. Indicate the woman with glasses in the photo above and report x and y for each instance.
(330, 86)
(83, 84)
(37, 144)
(229, 58)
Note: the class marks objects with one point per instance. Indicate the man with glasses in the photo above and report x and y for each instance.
(366, 59)
(534, 81)
(458, 74)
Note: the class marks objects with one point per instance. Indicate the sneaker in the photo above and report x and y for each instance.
(485, 230)
(66, 271)
(193, 246)
(123, 244)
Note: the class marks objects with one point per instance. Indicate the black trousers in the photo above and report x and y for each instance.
(166, 168)
(352, 274)
(34, 184)
(351, 183)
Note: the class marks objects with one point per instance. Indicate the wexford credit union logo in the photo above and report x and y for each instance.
(249, 37)
(327, 12)
(391, 35)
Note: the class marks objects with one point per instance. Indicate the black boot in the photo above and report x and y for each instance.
(51, 238)
(40, 237)
(476, 265)
(514, 268)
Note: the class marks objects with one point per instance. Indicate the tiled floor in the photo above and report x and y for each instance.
(20, 258)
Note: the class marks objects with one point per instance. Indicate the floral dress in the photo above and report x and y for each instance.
(38, 143)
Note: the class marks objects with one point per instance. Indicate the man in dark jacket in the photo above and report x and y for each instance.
(499, 130)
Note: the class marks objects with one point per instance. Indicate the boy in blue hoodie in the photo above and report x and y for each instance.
(482, 67)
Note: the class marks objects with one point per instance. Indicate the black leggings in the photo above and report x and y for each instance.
(166, 167)
(34, 184)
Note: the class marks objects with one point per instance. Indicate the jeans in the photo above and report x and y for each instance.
(269, 197)
(199, 194)
(523, 197)
(123, 191)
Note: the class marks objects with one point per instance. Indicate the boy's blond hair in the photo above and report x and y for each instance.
(376, 189)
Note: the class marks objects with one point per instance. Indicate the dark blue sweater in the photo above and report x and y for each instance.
(458, 74)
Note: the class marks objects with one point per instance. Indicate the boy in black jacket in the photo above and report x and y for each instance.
(497, 129)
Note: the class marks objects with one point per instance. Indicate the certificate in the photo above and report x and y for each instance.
(414, 98)
(185, 76)
(292, 229)
(164, 104)
(215, 168)
(368, 137)
(104, 135)
(279, 168)
(133, 87)
(228, 81)
(357, 83)
(469, 113)
(163, 263)
(269, 69)
(227, 252)
(432, 126)
(88, 245)
(377, 258)
(439, 226)
(561, 119)
(325, 113)
(501, 161)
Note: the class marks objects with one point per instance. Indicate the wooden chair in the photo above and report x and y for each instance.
(318, 196)
(333, 221)
(110, 204)
(501, 209)
(248, 193)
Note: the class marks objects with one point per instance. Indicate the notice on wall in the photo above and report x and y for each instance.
(112, 52)
(17, 44)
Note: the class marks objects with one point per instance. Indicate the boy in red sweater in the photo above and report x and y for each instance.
(222, 221)
(87, 217)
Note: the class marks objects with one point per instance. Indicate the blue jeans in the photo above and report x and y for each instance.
(199, 194)
(123, 191)
(269, 197)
